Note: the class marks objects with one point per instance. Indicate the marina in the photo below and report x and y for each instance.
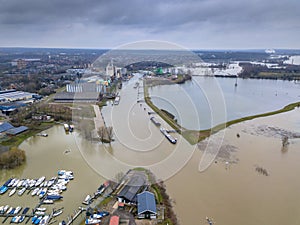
(45, 190)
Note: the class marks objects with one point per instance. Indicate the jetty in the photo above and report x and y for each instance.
(73, 218)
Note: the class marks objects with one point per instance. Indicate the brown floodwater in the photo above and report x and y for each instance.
(45, 156)
(237, 193)
(230, 194)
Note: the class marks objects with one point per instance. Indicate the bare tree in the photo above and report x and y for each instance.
(109, 133)
(101, 133)
(285, 143)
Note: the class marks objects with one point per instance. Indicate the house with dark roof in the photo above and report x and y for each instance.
(136, 182)
(146, 205)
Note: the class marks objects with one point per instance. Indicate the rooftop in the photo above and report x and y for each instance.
(5, 126)
(16, 130)
(136, 181)
(114, 220)
(146, 202)
(79, 96)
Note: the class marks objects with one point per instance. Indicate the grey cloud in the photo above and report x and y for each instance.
(155, 18)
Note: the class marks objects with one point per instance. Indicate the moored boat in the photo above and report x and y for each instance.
(21, 191)
(25, 210)
(20, 183)
(41, 209)
(35, 191)
(48, 201)
(53, 197)
(5, 208)
(57, 213)
(9, 210)
(3, 189)
(22, 218)
(17, 210)
(62, 223)
(39, 213)
(87, 199)
(15, 183)
(14, 219)
(66, 127)
(34, 218)
(12, 211)
(92, 221)
(39, 181)
(43, 192)
(37, 221)
(13, 191)
(168, 136)
(45, 220)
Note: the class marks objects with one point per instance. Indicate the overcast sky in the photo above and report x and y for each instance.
(197, 24)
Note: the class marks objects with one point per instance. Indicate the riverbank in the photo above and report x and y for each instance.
(195, 136)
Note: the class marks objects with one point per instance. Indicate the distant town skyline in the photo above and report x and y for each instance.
(193, 24)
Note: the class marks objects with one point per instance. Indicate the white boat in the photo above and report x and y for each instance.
(66, 176)
(39, 191)
(20, 183)
(66, 126)
(92, 221)
(22, 218)
(11, 182)
(51, 181)
(9, 210)
(53, 193)
(32, 183)
(18, 209)
(25, 183)
(44, 220)
(16, 183)
(57, 213)
(12, 191)
(43, 192)
(5, 208)
(39, 213)
(86, 200)
(41, 209)
(35, 191)
(14, 219)
(21, 192)
(39, 181)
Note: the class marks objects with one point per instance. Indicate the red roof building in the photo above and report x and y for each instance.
(114, 220)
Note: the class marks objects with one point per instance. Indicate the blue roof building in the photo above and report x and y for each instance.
(16, 130)
(5, 126)
(146, 205)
